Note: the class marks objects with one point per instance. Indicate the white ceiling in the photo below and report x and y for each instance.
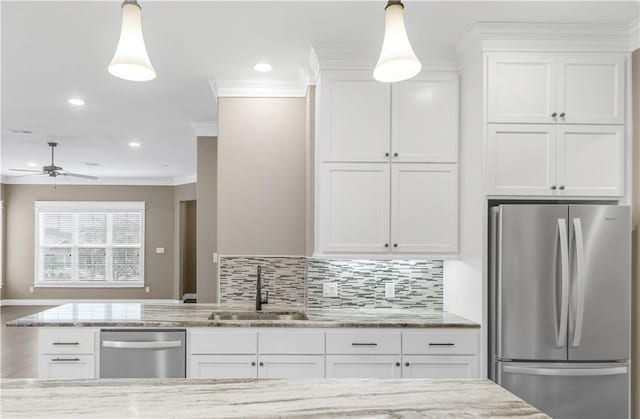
(55, 50)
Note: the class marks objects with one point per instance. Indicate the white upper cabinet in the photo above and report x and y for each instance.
(533, 88)
(591, 89)
(521, 159)
(354, 124)
(424, 123)
(591, 160)
(522, 88)
(354, 207)
(424, 202)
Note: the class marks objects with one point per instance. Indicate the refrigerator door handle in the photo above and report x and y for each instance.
(573, 372)
(564, 305)
(579, 243)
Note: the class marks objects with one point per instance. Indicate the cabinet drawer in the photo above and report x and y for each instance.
(227, 341)
(66, 366)
(291, 342)
(440, 342)
(66, 341)
(363, 342)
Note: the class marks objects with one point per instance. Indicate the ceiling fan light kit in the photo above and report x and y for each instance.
(131, 61)
(397, 60)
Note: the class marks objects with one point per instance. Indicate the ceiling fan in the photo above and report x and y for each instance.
(53, 170)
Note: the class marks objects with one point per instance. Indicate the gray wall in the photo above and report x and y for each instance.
(207, 192)
(159, 232)
(261, 176)
(636, 234)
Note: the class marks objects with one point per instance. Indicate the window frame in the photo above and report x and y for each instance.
(82, 207)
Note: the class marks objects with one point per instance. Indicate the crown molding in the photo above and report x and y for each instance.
(634, 35)
(258, 87)
(329, 57)
(103, 181)
(205, 128)
(547, 37)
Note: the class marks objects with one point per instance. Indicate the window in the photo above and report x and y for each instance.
(82, 244)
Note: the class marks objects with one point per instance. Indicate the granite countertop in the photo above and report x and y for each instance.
(196, 315)
(181, 398)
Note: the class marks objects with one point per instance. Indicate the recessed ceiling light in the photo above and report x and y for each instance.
(75, 101)
(262, 67)
(32, 164)
(134, 144)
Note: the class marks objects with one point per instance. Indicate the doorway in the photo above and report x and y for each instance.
(188, 240)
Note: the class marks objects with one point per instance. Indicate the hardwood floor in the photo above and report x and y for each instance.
(18, 345)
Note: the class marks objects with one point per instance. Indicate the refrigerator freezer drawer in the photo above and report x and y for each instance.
(570, 391)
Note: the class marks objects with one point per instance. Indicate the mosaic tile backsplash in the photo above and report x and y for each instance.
(361, 283)
(282, 277)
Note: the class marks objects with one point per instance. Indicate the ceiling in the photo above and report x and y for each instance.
(53, 50)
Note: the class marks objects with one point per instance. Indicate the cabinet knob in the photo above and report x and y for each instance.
(261, 364)
(253, 364)
(395, 244)
(386, 245)
(397, 364)
(561, 187)
(395, 154)
(553, 187)
(386, 154)
(406, 364)
(562, 115)
(553, 115)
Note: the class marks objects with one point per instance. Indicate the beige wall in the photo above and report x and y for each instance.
(635, 390)
(207, 193)
(159, 232)
(261, 176)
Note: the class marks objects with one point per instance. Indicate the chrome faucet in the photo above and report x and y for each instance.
(259, 300)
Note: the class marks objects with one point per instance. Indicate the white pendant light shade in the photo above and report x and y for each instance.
(397, 60)
(131, 62)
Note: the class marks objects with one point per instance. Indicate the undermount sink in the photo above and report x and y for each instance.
(257, 315)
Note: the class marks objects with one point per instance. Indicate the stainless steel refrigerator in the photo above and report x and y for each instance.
(560, 279)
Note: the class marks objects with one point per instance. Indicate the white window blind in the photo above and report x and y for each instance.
(89, 244)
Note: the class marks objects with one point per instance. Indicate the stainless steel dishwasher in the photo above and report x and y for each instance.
(142, 353)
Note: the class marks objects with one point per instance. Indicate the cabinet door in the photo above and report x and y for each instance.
(521, 159)
(363, 366)
(424, 208)
(521, 88)
(68, 366)
(591, 88)
(440, 366)
(591, 160)
(354, 117)
(425, 120)
(354, 208)
(223, 366)
(291, 366)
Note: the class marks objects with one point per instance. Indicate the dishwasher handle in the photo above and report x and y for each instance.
(167, 344)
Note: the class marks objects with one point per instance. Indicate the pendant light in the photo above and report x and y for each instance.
(131, 62)
(397, 60)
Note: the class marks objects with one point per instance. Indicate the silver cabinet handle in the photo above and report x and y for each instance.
(442, 344)
(65, 360)
(577, 231)
(65, 343)
(564, 305)
(566, 371)
(364, 344)
(142, 345)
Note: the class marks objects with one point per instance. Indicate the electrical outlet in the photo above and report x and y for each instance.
(329, 289)
(30, 289)
(147, 289)
(389, 290)
(215, 257)
(160, 250)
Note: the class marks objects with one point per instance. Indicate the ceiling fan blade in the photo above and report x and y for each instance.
(79, 176)
(32, 174)
(25, 170)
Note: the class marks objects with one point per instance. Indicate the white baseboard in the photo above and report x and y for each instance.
(35, 302)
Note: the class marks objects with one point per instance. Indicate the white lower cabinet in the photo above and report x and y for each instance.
(291, 366)
(364, 366)
(439, 366)
(66, 366)
(223, 366)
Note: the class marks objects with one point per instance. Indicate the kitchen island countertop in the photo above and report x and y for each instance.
(196, 315)
(180, 398)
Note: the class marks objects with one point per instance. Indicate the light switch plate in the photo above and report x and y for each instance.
(160, 250)
(389, 290)
(147, 289)
(329, 289)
